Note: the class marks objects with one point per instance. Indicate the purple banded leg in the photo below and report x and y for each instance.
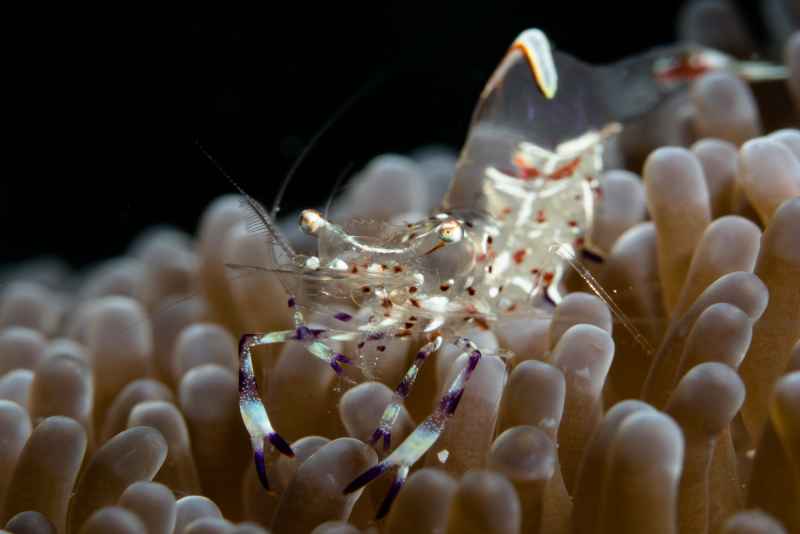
(327, 354)
(424, 436)
(251, 407)
(391, 412)
(450, 400)
(397, 485)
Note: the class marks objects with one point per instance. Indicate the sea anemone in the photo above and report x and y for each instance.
(118, 386)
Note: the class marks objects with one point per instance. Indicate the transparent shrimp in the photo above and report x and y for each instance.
(517, 215)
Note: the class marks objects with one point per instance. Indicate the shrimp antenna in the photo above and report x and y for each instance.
(258, 210)
(336, 186)
(333, 119)
(569, 256)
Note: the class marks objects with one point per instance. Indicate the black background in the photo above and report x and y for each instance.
(103, 112)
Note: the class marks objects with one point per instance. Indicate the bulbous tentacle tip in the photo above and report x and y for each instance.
(279, 443)
(366, 477)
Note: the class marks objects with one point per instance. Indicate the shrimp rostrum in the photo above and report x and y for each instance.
(518, 213)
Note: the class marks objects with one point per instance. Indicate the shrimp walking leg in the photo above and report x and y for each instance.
(402, 391)
(251, 405)
(424, 436)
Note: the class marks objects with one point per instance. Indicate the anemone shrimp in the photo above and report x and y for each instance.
(518, 215)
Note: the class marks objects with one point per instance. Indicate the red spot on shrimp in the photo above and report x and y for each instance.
(471, 291)
(519, 256)
(573, 223)
(565, 170)
(529, 173)
(482, 324)
(681, 69)
(548, 277)
(526, 172)
(540, 218)
(444, 287)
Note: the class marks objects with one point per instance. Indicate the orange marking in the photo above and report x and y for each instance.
(565, 170)
(684, 68)
(481, 323)
(526, 172)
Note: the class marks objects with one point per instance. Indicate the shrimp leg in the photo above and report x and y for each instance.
(251, 405)
(402, 391)
(424, 436)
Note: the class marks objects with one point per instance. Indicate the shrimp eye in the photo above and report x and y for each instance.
(450, 231)
(311, 221)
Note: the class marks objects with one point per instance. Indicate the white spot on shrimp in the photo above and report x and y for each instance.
(442, 455)
(337, 265)
(312, 263)
(436, 304)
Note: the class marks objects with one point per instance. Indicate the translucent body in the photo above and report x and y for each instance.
(518, 213)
